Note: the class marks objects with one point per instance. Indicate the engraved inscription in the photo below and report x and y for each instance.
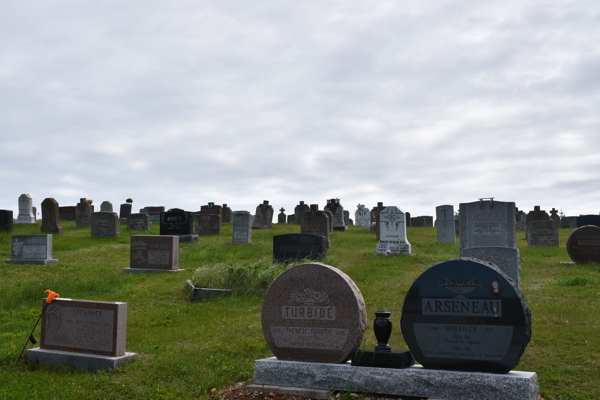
(466, 307)
(309, 337)
(34, 252)
(486, 229)
(158, 257)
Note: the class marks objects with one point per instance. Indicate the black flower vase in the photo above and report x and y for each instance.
(383, 329)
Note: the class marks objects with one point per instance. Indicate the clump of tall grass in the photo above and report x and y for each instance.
(577, 281)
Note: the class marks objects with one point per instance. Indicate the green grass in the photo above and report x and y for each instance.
(185, 349)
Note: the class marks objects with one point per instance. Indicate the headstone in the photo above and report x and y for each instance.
(591, 219)
(291, 219)
(521, 218)
(375, 215)
(457, 225)
(418, 222)
(264, 216)
(428, 221)
(50, 217)
(208, 224)
(211, 208)
(106, 224)
(339, 223)
(154, 212)
(392, 232)
(31, 249)
(542, 233)
(281, 219)
(106, 206)
(329, 221)
(299, 211)
(347, 217)
(313, 312)
(315, 222)
(6, 220)
(569, 222)
(226, 214)
(154, 253)
(83, 214)
(242, 227)
(583, 245)
(176, 222)
(26, 214)
(125, 210)
(444, 224)
(350, 222)
(466, 314)
(67, 213)
(298, 246)
(505, 258)
(34, 213)
(487, 223)
(555, 217)
(139, 222)
(536, 215)
(362, 216)
(407, 218)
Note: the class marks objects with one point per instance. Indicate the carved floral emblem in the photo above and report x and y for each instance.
(308, 296)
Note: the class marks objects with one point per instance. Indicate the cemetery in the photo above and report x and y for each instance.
(486, 314)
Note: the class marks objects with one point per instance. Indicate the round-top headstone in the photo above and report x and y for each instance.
(466, 314)
(583, 245)
(313, 312)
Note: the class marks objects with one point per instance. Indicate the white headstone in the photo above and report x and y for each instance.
(26, 215)
(392, 232)
(362, 216)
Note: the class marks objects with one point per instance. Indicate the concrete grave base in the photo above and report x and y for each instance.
(38, 261)
(197, 293)
(79, 361)
(414, 381)
(290, 391)
(145, 270)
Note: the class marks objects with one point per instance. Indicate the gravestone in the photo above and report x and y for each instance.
(107, 206)
(50, 217)
(392, 232)
(26, 214)
(505, 258)
(281, 217)
(208, 224)
(417, 222)
(176, 222)
(67, 213)
(242, 227)
(211, 208)
(536, 215)
(329, 221)
(154, 253)
(583, 245)
(339, 223)
(34, 213)
(591, 219)
(347, 218)
(466, 314)
(6, 220)
(555, 217)
(125, 210)
(569, 222)
(315, 222)
(521, 220)
(83, 214)
(313, 312)
(32, 249)
(105, 224)
(291, 219)
(408, 219)
(362, 216)
(299, 211)
(375, 217)
(264, 216)
(444, 224)
(487, 223)
(154, 212)
(226, 214)
(298, 246)
(350, 222)
(542, 233)
(139, 222)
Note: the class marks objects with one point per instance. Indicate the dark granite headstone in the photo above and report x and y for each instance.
(542, 233)
(591, 219)
(6, 220)
(226, 214)
(264, 216)
(83, 214)
(208, 224)
(211, 208)
(154, 212)
(105, 224)
(583, 245)
(375, 216)
(67, 213)
(466, 314)
(291, 219)
(408, 219)
(125, 210)
(337, 210)
(139, 222)
(299, 211)
(176, 222)
(281, 219)
(315, 222)
(298, 246)
(50, 217)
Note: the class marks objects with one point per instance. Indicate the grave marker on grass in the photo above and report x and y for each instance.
(26, 214)
(152, 253)
(50, 217)
(31, 249)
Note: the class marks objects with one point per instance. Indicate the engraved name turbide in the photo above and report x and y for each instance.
(308, 312)
(466, 307)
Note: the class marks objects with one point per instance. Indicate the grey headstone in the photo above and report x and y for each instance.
(264, 216)
(31, 249)
(242, 227)
(154, 252)
(487, 223)
(444, 224)
(105, 224)
(226, 214)
(83, 214)
(208, 224)
(299, 211)
(106, 206)
(505, 258)
(542, 233)
(316, 222)
(139, 222)
(336, 208)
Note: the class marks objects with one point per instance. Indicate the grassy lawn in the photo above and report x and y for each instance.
(185, 349)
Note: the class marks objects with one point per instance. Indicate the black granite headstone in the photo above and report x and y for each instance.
(6, 220)
(298, 246)
(583, 245)
(176, 222)
(466, 314)
(584, 220)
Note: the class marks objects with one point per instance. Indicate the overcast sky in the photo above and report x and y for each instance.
(413, 103)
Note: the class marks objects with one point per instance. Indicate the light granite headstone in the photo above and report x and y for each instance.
(392, 232)
(26, 214)
(264, 216)
(315, 222)
(487, 223)
(542, 233)
(208, 224)
(362, 216)
(105, 224)
(299, 211)
(139, 222)
(505, 258)
(242, 227)
(444, 224)
(31, 249)
(154, 253)
(106, 206)
(50, 217)
(83, 214)
(313, 312)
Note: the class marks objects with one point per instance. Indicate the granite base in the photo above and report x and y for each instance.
(197, 293)
(146, 270)
(79, 361)
(415, 381)
(290, 391)
(38, 261)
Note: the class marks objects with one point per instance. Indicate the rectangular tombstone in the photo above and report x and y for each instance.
(505, 258)
(315, 222)
(83, 214)
(226, 214)
(139, 222)
(542, 233)
(362, 216)
(444, 224)
(264, 216)
(591, 219)
(67, 213)
(31, 249)
(50, 216)
(125, 210)
(176, 222)
(392, 232)
(6, 220)
(242, 227)
(26, 214)
(297, 247)
(154, 212)
(211, 208)
(152, 252)
(105, 224)
(569, 222)
(84, 326)
(208, 224)
(291, 219)
(487, 223)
